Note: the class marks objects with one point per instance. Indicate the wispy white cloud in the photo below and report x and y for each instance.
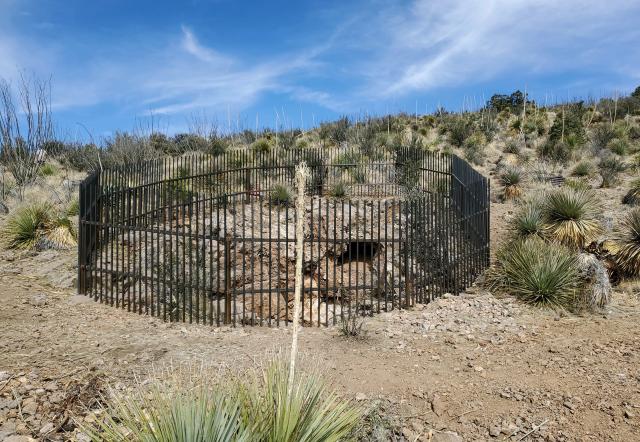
(452, 43)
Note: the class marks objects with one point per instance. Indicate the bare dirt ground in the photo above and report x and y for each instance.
(472, 367)
(481, 367)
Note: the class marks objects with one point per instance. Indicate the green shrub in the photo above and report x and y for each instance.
(571, 217)
(618, 146)
(512, 146)
(338, 190)
(260, 410)
(218, 146)
(474, 148)
(281, 195)
(261, 146)
(73, 209)
(538, 273)
(48, 169)
(582, 169)
(610, 167)
(555, 151)
(459, 129)
(601, 135)
(627, 256)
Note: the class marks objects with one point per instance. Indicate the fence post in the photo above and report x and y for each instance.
(82, 283)
(227, 279)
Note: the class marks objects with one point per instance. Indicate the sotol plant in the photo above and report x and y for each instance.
(571, 217)
(281, 195)
(538, 273)
(261, 410)
(528, 220)
(38, 225)
(628, 256)
(511, 179)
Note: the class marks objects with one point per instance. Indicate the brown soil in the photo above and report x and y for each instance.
(472, 364)
(482, 367)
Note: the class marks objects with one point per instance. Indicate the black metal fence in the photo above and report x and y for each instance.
(210, 239)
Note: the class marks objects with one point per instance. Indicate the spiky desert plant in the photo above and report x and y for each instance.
(618, 146)
(528, 220)
(338, 190)
(571, 216)
(308, 413)
(537, 272)
(610, 167)
(164, 413)
(633, 195)
(627, 256)
(281, 195)
(27, 225)
(511, 179)
(60, 233)
(582, 169)
(73, 209)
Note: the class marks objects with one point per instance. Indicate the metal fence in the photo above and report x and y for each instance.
(210, 239)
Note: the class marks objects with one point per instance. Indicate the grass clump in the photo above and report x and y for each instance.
(511, 180)
(281, 195)
(539, 273)
(582, 169)
(571, 217)
(263, 409)
(48, 169)
(338, 190)
(352, 325)
(618, 146)
(627, 256)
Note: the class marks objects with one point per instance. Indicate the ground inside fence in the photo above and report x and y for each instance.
(211, 239)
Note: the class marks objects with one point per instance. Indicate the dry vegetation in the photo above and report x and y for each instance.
(566, 239)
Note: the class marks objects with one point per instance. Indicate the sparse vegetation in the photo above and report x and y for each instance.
(582, 169)
(338, 190)
(38, 225)
(610, 168)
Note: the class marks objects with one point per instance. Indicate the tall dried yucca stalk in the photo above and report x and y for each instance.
(302, 172)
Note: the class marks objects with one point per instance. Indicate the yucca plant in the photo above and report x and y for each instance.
(38, 225)
(627, 256)
(528, 220)
(73, 209)
(27, 225)
(633, 195)
(511, 179)
(281, 195)
(571, 217)
(582, 169)
(537, 272)
(168, 413)
(309, 413)
(258, 409)
(618, 146)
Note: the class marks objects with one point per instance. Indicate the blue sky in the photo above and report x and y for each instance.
(115, 64)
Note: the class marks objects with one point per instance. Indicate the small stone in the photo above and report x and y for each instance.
(629, 414)
(46, 429)
(446, 436)
(438, 406)
(83, 437)
(4, 375)
(478, 368)
(39, 300)
(29, 406)
(494, 431)
(19, 438)
(361, 397)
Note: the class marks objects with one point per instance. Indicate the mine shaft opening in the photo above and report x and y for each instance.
(358, 251)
